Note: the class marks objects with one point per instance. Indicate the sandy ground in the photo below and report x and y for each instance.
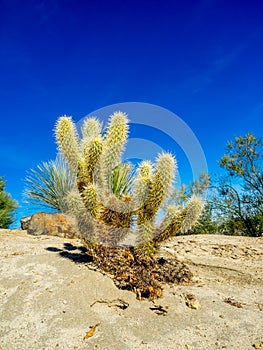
(50, 296)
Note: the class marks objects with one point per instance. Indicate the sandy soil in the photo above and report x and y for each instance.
(50, 296)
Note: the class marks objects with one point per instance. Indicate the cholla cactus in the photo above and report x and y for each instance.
(179, 219)
(112, 199)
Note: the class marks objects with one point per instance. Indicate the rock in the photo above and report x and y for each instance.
(191, 301)
(25, 222)
(53, 224)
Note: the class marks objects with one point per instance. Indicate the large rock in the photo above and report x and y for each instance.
(25, 222)
(53, 224)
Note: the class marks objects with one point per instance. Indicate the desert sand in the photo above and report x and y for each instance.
(51, 297)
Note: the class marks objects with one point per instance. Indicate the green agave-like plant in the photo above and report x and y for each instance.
(49, 184)
(115, 198)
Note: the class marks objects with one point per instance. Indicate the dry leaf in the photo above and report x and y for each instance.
(90, 333)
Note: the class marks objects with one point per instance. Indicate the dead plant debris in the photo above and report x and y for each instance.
(143, 276)
(191, 301)
(159, 310)
(233, 302)
(91, 332)
(121, 304)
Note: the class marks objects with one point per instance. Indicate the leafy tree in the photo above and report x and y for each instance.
(239, 194)
(7, 206)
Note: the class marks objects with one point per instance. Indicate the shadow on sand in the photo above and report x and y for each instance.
(78, 254)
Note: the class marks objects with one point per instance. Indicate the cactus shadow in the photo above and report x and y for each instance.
(78, 254)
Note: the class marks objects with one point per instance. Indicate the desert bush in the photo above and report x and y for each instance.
(7, 206)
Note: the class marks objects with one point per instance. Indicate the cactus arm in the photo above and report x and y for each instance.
(91, 154)
(68, 140)
(115, 140)
(91, 128)
(194, 209)
(179, 219)
(159, 186)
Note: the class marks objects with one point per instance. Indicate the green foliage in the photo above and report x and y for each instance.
(206, 224)
(239, 195)
(121, 179)
(7, 206)
(49, 184)
(114, 197)
(179, 196)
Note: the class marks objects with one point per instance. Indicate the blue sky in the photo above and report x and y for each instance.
(199, 59)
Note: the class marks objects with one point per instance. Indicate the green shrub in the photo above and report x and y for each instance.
(49, 184)
(7, 206)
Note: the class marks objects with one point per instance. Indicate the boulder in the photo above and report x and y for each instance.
(53, 224)
(25, 222)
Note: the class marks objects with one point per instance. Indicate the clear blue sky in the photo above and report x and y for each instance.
(199, 59)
